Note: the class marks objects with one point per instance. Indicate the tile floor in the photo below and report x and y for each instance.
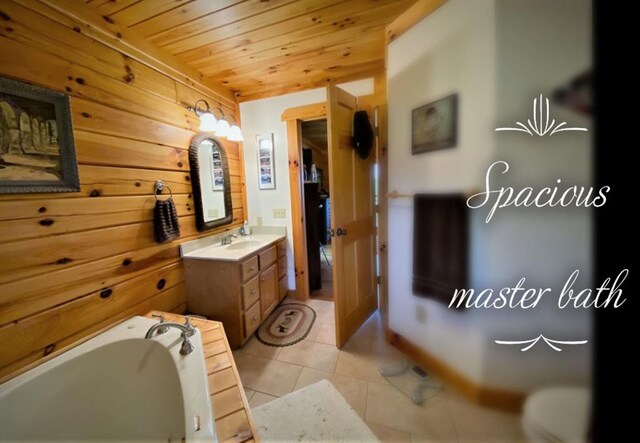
(268, 373)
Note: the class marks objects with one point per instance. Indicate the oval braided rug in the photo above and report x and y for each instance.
(287, 325)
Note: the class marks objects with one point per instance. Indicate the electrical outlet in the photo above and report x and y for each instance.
(279, 213)
(421, 314)
(259, 221)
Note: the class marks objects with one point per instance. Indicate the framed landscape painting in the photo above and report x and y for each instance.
(435, 125)
(37, 152)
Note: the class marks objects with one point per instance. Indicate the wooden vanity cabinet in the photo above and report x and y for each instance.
(239, 294)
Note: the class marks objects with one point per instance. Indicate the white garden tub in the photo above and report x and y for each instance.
(115, 387)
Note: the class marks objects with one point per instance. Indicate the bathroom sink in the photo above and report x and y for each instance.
(243, 245)
(239, 249)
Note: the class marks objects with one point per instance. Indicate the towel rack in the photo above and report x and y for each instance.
(396, 194)
(159, 187)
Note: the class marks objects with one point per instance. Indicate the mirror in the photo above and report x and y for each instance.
(210, 182)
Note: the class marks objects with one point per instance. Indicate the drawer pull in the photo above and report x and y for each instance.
(255, 318)
(254, 291)
(252, 268)
(263, 279)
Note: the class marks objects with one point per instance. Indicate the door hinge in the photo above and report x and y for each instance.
(378, 280)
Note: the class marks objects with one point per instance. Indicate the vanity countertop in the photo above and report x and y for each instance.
(240, 247)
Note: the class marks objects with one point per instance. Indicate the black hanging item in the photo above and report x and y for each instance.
(362, 139)
(165, 219)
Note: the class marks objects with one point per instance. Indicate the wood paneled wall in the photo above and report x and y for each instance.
(73, 263)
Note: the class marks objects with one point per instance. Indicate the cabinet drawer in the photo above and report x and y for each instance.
(282, 288)
(268, 257)
(250, 293)
(252, 319)
(282, 267)
(249, 268)
(282, 248)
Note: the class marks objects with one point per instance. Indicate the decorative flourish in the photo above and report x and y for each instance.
(541, 125)
(531, 343)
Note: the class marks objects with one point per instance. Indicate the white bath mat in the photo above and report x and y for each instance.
(315, 413)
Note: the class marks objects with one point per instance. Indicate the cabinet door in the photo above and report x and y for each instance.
(268, 289)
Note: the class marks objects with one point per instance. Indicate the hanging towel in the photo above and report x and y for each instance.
(362, 140)
(440, 245)
(165, 221)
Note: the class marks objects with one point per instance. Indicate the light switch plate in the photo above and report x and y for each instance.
(279, 213)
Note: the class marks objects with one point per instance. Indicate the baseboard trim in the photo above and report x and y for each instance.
(488, 396)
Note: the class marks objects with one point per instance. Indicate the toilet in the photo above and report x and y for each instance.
(558, 415)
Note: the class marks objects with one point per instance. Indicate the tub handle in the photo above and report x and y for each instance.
(162, 329)
(189, 326)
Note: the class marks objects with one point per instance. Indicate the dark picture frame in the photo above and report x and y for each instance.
(434, 126)
(37, 151)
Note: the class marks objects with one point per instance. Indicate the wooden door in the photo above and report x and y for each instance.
(352, 219)
(268, 289)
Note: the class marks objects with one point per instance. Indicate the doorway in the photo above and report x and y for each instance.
(317, 203)
(352, 210)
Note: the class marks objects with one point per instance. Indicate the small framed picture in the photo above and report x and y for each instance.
(435, 125)
(266, 165)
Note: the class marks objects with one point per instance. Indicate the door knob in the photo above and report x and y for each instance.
(341, 232)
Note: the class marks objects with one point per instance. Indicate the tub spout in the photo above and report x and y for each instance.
(188, 330)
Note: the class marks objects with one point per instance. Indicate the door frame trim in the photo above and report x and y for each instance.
(293, 117)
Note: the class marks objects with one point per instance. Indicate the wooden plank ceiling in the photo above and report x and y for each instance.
(261, 48)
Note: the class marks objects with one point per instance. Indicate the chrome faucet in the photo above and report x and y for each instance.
(227, 239)
(187, 331)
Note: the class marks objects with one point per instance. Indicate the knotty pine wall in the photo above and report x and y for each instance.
(73, 263)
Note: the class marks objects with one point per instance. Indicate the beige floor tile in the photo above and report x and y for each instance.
(358, 345)
(267, 376)
(254, 347)
(325, 317)
(389, 407)
(249, 393)
(474, 423)
(311, 354)
(423, 439)
(364, 367)
(389, 435)
(381, 348)
(320, 305)
(353, 390)
(315, 329)
(326, 334)
(260, 398)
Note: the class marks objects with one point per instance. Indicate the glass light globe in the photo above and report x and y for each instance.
(207, 122)
(235, 134)
(222, 129)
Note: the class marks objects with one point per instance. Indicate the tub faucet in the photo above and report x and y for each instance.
(187, 331)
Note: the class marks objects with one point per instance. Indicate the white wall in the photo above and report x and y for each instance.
(497, 55)
(265, 116)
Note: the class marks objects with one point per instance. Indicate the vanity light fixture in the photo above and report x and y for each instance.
(219, 126)
(222, 128)
(235, 133)
(208, 121)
